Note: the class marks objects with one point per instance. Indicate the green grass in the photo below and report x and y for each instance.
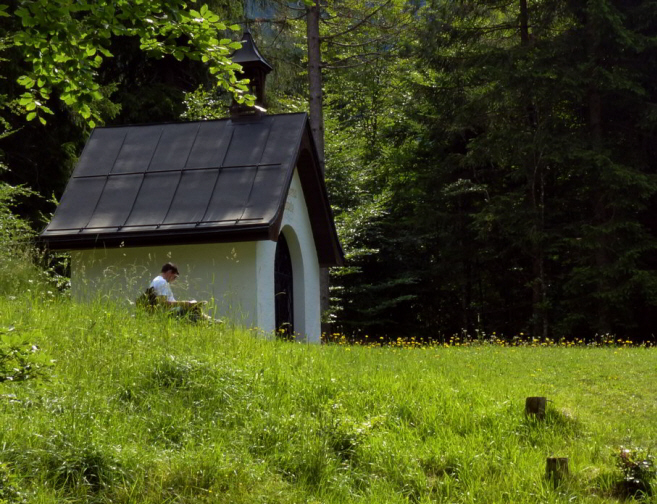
(140, 409)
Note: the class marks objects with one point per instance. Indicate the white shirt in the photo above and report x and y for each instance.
(162, 288)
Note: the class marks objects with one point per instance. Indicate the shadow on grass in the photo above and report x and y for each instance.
(72, 465)
(611, 484)
(533, 431)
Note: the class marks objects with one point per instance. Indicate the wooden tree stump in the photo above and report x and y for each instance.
(556, 469)
(535, 406)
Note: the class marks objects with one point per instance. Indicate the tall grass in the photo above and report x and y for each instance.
(19, 259)
(136, 408)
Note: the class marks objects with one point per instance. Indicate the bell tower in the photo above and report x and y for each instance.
(255, 68)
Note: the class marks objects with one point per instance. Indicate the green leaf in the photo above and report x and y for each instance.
(31, 116)
(25, 81)
(22, 13)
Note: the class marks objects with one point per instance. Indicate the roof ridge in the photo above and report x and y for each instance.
(170, 123)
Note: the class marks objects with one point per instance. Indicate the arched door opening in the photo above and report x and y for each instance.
(283, 290)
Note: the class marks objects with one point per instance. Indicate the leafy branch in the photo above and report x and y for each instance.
(65, 44)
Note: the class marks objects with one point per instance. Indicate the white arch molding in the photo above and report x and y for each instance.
(297, 230)
(298, 281)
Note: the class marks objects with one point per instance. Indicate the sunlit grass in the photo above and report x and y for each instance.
(136, 408)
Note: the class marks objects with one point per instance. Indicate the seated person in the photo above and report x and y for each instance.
(161, 289)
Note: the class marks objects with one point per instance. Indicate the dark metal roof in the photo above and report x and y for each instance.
(197, 182)
(249, 53)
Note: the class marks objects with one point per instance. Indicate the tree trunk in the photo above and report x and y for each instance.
(600, 213)
(524, 23)
(317, 126)
(536, 196)
(315, 80)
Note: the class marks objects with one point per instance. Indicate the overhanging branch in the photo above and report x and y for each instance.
(355, 25)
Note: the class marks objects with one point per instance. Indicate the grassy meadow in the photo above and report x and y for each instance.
(128, 408)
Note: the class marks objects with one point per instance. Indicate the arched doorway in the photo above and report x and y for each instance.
(283, 285)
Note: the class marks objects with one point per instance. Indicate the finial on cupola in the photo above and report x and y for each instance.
(255, 68)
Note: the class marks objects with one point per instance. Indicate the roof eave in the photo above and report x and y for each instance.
(142, 239)
(334, 257)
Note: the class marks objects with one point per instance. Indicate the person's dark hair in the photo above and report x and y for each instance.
(170, 267)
